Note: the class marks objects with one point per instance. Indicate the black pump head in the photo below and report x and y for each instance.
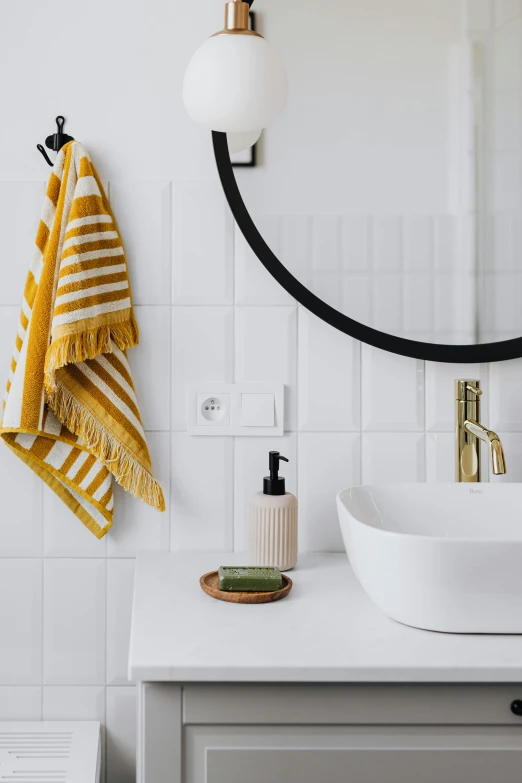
(274, 484)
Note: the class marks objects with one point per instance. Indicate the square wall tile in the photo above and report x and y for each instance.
(328, 463)
(440, 395)
(251, 466)
(505, 379)
(202, 350)
(326, 243)
(203, 237)
(121, 734)
(392, 392)
(440, 457)
(389, 457)
(21, 205)
(21, 517)
(202, 505)
(20, 702)
(329, 376)
(64, 534)
(120, 586)
(150, 364)
(83, 702)
(74, 622)
(254, 284)
(266, 350)
(138, 526)
(143, 212)
(21, 622)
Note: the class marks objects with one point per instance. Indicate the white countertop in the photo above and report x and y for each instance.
(325, 630)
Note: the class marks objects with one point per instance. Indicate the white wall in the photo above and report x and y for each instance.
(207, 310)
(369, 124)
(499, 74)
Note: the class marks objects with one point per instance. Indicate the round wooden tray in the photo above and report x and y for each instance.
(209, 583)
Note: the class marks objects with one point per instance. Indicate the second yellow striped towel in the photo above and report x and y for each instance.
(70, 409)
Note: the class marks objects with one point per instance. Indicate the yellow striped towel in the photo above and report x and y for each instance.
(70, 409)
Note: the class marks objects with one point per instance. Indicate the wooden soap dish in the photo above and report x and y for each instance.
(210, 584)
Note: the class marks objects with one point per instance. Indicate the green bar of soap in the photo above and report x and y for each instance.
(255, 579)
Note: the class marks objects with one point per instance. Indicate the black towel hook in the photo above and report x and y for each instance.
(56, 140)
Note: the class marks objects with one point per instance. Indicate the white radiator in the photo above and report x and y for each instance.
(64, 752)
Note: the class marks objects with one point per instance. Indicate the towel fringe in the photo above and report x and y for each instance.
(132, 476)
(77, 347)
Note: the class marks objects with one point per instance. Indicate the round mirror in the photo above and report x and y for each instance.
(387, 198)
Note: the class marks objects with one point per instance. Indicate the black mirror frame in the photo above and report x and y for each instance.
(459, 354)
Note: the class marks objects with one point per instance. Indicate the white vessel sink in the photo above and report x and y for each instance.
(445, 557)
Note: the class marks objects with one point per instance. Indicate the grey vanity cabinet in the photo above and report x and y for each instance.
(209, 733)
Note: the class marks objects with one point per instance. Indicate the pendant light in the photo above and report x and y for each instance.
(235, 82)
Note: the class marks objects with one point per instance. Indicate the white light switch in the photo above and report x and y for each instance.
(257, 410)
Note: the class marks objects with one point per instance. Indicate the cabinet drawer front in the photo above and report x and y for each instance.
(378, 754)
(351, 704)
(360, 766)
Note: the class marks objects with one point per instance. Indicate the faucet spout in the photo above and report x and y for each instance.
(498, 462)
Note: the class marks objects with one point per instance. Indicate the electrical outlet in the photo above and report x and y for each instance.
(213, 411)
(235, 409)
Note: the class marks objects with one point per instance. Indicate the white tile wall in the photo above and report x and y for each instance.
(143, 211)
(20, 207)
(74, 648)
(20, 703)
(202, 245)
(354, 414)
(121, 731)
(21, 621)
(328, 463)
(120, 581)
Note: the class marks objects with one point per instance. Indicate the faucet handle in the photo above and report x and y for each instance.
(474, 389)
(467, 390)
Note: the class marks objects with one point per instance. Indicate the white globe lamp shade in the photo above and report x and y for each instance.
(237, 142)
(236, 81)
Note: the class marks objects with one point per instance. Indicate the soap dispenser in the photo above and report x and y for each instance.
(272, 539)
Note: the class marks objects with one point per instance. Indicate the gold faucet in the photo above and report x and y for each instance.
(469, 433)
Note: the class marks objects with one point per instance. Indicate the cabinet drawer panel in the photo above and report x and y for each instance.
(354, 754)
(360, 766)
(351, 704)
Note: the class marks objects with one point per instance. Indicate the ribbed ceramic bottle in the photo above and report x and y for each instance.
(272, 539)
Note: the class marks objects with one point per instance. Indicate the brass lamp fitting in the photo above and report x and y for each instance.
(237, 19)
